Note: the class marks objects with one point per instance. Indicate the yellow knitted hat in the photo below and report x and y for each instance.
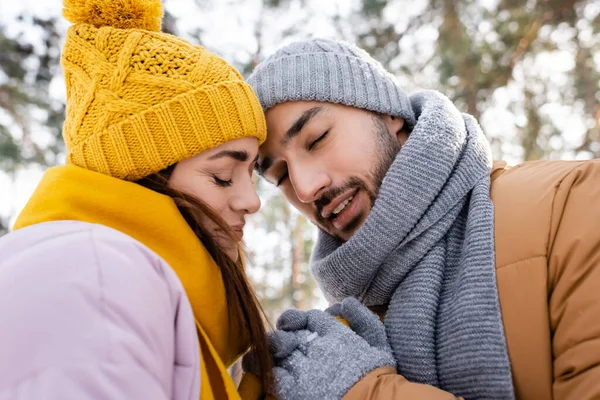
(139, 100)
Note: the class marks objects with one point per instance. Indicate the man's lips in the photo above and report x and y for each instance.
(327, 211)
(347, 216)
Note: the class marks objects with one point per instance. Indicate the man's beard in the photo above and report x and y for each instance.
(386, 149)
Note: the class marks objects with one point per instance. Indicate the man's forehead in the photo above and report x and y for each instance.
(285, 121)
(283, 115)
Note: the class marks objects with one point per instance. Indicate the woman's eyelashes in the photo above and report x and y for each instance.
(235, 171)
(222, 182)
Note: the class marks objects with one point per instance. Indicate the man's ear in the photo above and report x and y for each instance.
(395, 126)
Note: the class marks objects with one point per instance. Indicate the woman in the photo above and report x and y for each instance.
(122, 279)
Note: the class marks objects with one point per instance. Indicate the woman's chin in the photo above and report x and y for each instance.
(230, 248)
(227, 245)
(234, 253)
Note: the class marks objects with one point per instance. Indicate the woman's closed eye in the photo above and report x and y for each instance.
(222, 182)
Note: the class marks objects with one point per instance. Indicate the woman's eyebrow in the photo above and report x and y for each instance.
(238, 155)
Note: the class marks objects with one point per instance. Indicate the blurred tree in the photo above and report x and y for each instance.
(585, 78)
(3, 227)
(30, 120)
(478, 46)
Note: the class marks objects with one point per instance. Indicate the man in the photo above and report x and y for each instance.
(485, 276)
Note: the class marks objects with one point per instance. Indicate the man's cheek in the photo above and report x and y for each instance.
(290, 195)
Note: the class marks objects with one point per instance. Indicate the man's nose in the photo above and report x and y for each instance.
(308, 182)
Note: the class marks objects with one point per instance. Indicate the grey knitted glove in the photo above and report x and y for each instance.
(363, 322)
(318, 357)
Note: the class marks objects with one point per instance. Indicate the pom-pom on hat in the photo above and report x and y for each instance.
(139, 100)
(120, 14)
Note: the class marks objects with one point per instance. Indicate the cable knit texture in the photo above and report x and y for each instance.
(329, 71)
(427, 250)
(139, 100)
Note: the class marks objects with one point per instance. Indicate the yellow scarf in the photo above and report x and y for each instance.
(73, 193)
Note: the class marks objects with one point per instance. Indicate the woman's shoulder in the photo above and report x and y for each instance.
(64, 233)
(44, 242)
(97, 296)
(85, 252)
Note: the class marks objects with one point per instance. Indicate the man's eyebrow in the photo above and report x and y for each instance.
(238, 155)
(299, 124)
(291, 133)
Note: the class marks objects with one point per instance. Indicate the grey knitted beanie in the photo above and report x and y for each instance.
(329, 71)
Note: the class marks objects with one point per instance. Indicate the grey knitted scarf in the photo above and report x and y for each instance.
(427, 250)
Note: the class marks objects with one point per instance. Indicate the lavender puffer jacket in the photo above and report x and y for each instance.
(87, 312)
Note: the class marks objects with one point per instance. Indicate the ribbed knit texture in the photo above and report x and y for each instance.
(139, 101)
(427, 250)
(329, 71)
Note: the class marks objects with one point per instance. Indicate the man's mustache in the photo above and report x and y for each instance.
(330, 194)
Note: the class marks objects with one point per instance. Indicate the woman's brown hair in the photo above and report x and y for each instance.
(242, 302)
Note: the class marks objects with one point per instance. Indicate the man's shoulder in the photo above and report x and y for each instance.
(539, 173)
(524, 204)
(533, 182)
